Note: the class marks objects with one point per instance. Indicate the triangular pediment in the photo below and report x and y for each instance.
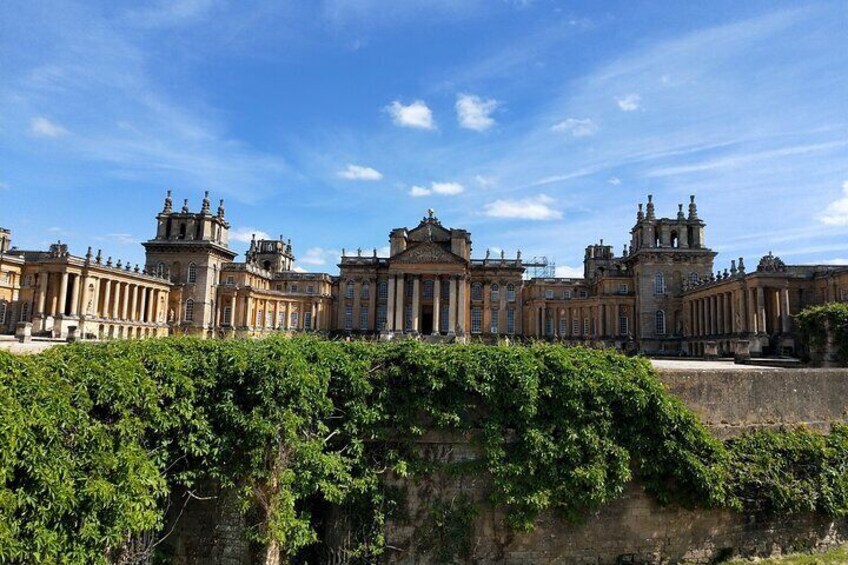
(427, 252)
(429, 230)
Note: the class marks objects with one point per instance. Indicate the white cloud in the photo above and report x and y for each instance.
(532, 208)
(446, 188)
(836, 214)
(576, 127)
(245, 235)
(415, 115)
(449, 188)
(358, 172)
(629, 103)
(299, 270)
(384, 251)
(475, 113)
(484, 181)
(318, 256)
(418, 191)
(615, 181)
(42, 127)
(564, 271)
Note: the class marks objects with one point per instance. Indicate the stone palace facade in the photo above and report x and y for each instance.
(662, 295)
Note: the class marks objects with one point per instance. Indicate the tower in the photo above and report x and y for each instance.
(664, 254)
(190, 248)
(272, 255)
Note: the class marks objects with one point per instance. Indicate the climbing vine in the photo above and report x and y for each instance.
(97, 440)
(815, 322)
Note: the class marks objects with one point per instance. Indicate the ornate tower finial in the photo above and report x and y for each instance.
(640, 215)
(693, 208)
(88, 255)
(168, 203)
(221, 209)
(680, 216)
(741, 266)
(431, 213)
(733, 266)
(99, 257)
(651, 215)
(185, 206)
(206, 203)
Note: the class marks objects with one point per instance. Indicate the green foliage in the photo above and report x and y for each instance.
(812, 325)
(95, 439)
(447, 534)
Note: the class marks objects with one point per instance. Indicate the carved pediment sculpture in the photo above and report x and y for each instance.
(427, 253)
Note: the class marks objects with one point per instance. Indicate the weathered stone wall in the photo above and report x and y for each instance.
(633, 529)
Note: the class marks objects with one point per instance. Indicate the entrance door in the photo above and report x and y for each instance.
(426, 319)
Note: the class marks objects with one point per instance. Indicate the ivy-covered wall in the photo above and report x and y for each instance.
(304, 450)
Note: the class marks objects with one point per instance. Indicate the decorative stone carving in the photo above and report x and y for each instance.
(771, 264)
(427, 253)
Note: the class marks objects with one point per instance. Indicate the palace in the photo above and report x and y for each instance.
(662, 295)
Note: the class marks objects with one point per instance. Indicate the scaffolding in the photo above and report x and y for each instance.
(540, 268)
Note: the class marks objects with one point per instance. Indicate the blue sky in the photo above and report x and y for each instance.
(535, 124)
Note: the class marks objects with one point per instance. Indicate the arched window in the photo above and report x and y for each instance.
(659, 284)
(510, 292)
(476, 291)
(494, 293)
(192, 273)
(675, 241)
(349, 289)
(694, 278)
(160, 269)
(365, 291)
(660, 322)
(189, 310)
(428, 288)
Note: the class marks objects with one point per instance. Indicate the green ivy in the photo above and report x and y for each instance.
(812, 325)
(96, 438)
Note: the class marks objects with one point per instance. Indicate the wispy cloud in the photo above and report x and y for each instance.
(358, 172)
(42, 127)
(629, 103)
(564, 271)
(247, 234)
(836, 214)
(532, 208)
(576, 127)
(444, 188)
(318, 256)
(474, 112)
(419, 191)
(415, 115)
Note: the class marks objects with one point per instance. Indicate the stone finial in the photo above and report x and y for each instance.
(88, 255)
(741, 266)
(168, 204)
(375, 253)
(651, 215)
(137, 269)
(640, 215)
(99, 257)
(118, 264)
(693, 208)
(128, 266)
(185, 206)
(518, 255)
(712, 276)
(733, 266)
(726, 273)
(109, 262)
(359, 252)
(680, 216)
(343, 252)
(221, 209)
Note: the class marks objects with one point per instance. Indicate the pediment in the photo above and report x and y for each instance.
(427, 252)
(429, 231)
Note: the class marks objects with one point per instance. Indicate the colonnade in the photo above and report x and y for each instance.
(273, 313)
(756, 310)
(582, 322)
(397, 303)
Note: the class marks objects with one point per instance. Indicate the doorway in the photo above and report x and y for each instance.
(427, 319)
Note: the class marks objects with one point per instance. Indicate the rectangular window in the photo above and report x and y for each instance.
(228, 315)
(307, 320)
(622, 288)
(408, 318)
(363, 318)
(348, 317)
(575, 326)
(843, 294)
(281, 320)
(231, 280)
(549, 324)
(566, 294)
(583, 294)
(493, 325)
(476, 320)
(382, 314)
(293, 320)
(445, 289)
(294, 288)
(586, 326)
(269, 320)
(549, 293)
(444, 319)
(623, 325)
(563, 326)
(510, 321)
(2, 312)
(278, 287)
(310, 289)
(592, 327)
(510, 293)
(383, 290)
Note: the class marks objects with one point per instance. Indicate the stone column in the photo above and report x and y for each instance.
(105, 311)
(416, 303)
(390, 305)
(452, 306)
(720, 313)
(502, 308)
(357, 303)
(463, 304)
(125, 309)
(437, 304)
(373, 298)
(784, 310)
(487, 308)
(42, 292)
(399, 297)
(142, 312)
(543, 321)
(133, 303)
(761, 310)
(63, 295)
(116, 302)
(75, 295)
